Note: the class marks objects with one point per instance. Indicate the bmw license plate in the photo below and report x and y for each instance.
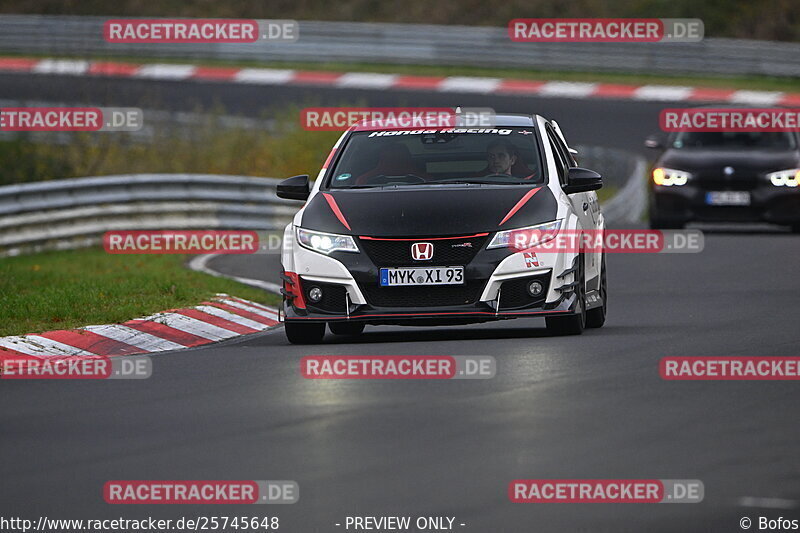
(391, 277)
(728, 198)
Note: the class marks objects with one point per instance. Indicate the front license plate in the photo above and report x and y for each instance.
(728, 198)
(391, 277)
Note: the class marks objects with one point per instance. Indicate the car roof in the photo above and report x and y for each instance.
(514, 120)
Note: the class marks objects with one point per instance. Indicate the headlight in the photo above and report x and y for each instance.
(669, 177)
(523, 238)
(325, 242)
(785, 178)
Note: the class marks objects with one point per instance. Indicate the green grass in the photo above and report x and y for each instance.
(205, 149)
(69, 289)
(763, 83)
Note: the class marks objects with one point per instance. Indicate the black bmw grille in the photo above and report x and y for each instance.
(446, 252)
(423, 296)
(716, 181)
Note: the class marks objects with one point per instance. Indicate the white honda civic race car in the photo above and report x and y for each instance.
(443, 226)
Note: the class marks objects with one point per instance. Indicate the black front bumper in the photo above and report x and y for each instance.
(687, 203)
(423, 305)
(425, 316)
(429, 304)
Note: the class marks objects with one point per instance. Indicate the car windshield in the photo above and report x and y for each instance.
(778, 140)
(502, 156)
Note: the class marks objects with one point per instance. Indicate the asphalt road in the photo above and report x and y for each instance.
(583, 407)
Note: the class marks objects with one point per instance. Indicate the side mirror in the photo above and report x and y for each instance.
(294, 188)
(655, 141)
(582, 180)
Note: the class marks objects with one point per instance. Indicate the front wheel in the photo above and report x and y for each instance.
(658, 223)
(304, 333)
(795, 228)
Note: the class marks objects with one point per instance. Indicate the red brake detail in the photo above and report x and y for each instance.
(522, 201)
(335, 209)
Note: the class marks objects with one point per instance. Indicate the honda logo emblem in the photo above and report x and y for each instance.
(422, 251)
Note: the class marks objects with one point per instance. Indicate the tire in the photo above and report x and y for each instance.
(658, 223)
(572, 324)
(346, 328)
(795, 228)
(652, 218)
(304, 333)
(595, 318)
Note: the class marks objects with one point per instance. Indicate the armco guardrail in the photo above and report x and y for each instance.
(73, 213)
(416, 44)
(626, 173)
(630, 202)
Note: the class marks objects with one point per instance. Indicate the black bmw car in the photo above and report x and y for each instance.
(725, 177)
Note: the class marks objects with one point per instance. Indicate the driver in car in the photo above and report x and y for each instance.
(501, 157)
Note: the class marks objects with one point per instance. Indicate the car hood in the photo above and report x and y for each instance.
(429, 211)
(711, 161)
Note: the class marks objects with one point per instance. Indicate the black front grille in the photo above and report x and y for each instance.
(514, 293)
(333, 297)
(446, 252)
(423, 296)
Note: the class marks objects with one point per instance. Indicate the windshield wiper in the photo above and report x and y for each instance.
(400, 176)
(384, 180)
(478, 182)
